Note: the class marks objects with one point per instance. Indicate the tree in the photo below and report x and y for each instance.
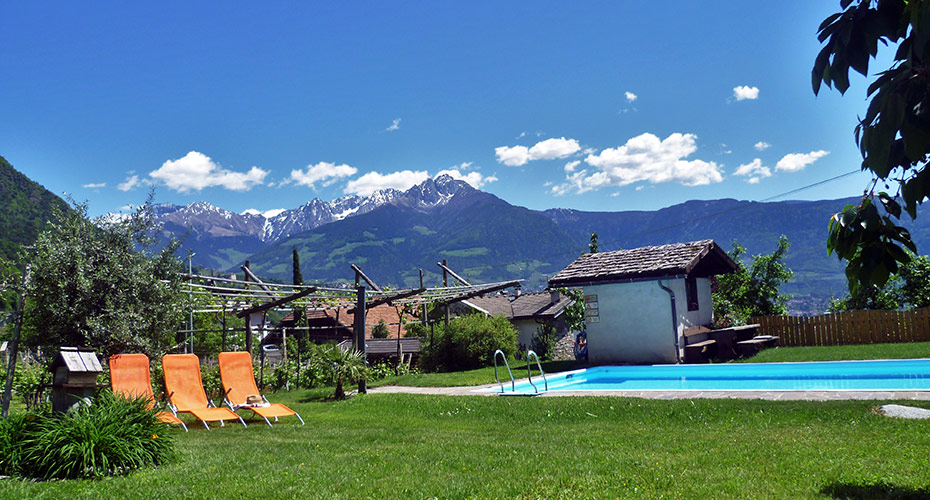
(380, 331)
(915, 289)
(894, 134)
(344, 365)
(298, 280)
(750, 292)
(592, 248)
(869, 297)
(92, 288)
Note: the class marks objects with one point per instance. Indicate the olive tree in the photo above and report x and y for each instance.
(100, 283)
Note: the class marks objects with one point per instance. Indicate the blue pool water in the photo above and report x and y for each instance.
(890, 375)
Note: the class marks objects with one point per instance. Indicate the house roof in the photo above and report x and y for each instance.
(373, 316)
(697, 259)
(527, 305)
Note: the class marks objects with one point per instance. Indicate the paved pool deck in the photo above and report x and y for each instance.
(766, 395)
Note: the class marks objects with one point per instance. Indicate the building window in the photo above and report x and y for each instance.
(691, 293)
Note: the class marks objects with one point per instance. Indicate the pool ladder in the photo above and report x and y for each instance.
(529, 374)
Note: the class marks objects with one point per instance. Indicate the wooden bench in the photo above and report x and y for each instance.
(756, 344)
(700, 352)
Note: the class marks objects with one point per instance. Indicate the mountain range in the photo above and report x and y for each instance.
(392, 234)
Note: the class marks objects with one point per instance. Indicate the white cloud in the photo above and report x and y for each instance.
(762, 146)
(745, 92)
(266, 214)
(512, 156)
(550, 149)
(797, 161)
(475, 179)
(630, 97)
(572, 165)
(644, 158)
(395, 125)
(754, 170)
(323, 172)
(129, 184)
(196, 171)
(374, 181)
(94, 185)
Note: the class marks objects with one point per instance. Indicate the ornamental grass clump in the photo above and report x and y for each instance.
(112, 436)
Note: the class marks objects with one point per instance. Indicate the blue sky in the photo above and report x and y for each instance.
(587, 105)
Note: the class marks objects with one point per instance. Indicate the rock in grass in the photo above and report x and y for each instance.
(901, 411)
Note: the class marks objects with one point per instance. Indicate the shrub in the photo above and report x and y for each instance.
(29, 382)
(544, 341)
(380, 331)
(468, 342)
(12, 432)
(112, 436)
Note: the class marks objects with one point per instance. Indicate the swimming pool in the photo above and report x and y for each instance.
(886, 375)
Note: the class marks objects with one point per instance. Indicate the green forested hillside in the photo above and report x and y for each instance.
(485, 238)
(25, 208)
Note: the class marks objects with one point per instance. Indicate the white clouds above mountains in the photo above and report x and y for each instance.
(196, 171)
(754, 171)
(744, 92)
(323, 172)
(94, 185)
(642, 158)
(550, 149)
(373, 181)
(795, 162)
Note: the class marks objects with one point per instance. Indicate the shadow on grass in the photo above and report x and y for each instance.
(879, 490)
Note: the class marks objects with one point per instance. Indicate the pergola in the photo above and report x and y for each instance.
(250, 296)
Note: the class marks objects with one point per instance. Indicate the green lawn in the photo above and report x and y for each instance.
(414, 446)
(839, 353)
(406, 446)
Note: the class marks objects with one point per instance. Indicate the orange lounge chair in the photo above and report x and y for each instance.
(239, 383)
(130, 377)
(185, 390)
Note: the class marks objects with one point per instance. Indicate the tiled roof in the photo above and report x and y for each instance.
(527, 305)
(697, 258)
(372, 317)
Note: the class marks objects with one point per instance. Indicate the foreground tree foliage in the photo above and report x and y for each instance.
(752, 291)
(100, 284)
(893, 136)
(910, 288)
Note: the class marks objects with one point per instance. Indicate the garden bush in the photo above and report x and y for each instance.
(112, 436)
(544, 342)
(467, 342)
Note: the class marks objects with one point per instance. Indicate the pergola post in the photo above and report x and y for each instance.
(360, 331)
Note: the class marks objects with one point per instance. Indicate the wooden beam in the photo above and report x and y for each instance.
(390, 298)
(358, 272)
(481, 291)
(452, 273)
(275, 303)
(252, 277)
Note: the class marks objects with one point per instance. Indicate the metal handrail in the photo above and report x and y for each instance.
(529, 372)
(504, 357)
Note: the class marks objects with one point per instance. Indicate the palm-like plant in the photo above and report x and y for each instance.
(344, 365)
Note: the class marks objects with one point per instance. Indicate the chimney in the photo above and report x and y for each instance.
(554, 296)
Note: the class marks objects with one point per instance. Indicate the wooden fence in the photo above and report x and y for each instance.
(848, 328)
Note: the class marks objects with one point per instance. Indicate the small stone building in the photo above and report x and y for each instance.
(639, 302)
